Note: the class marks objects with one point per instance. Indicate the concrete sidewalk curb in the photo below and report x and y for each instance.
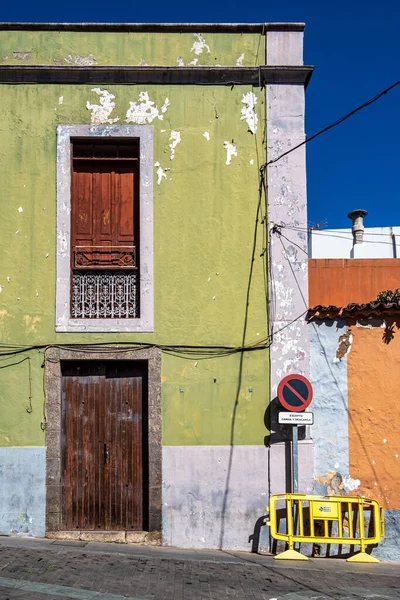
(205, 556)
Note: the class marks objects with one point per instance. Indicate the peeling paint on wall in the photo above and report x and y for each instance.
(344, 345)
(180, 62)
(61, 100)
(332, 483)
(145, 111)
(101, 112)
(81, 61)
(239, 62)
(350, 484)
(199, 45)
(22, 55)
(249, 111)
(160, 173)
(175, 139)
(206, 135)
(335, 484)
(230, 151)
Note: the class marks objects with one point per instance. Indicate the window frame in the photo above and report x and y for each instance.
(64, 322)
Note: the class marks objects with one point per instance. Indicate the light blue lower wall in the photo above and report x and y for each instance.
(389, 548)
(330, 403)
(22, 491)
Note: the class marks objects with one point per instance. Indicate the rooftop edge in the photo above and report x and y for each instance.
(261, 28)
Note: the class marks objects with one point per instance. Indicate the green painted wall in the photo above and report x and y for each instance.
(199, 400)
(63, 48)
(204, 220)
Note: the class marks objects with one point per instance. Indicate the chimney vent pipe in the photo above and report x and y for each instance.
(357, 217)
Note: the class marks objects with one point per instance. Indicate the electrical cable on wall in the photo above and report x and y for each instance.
(334, 124)
(326, 233)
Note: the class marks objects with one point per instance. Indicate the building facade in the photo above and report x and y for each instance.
(354, 371)
(140, 173)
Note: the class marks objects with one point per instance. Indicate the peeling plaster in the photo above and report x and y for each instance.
(206, 135)
(22, 55)
(160, 173)
(61, 100)
(239, 62)
(344, 346)
(175, 139)
(230, 151)
(249, 111)
(199, 45)
(142, 63)
(180, 62)
(101, 112)
(193, 62)
(333, 482)
(81, 61)
(350, 484)
(20, 209)
(165, 105)
(145, 111)
(251, 161)
(284, 294)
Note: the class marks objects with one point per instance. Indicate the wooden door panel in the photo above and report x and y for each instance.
(82, 209)
(102, 445)
(124, 192)
(103, 204)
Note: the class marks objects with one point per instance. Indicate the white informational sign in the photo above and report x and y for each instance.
(296, 418)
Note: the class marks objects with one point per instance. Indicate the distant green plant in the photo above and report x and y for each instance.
(389, 296)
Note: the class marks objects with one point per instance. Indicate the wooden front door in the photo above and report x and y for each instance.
(104, 433)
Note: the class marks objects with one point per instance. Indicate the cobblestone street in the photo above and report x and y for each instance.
(47, 570)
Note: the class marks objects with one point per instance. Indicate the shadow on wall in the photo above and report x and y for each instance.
(258, 221)
(278, 434)
(392, 325)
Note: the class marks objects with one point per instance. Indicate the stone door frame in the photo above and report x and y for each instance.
(53, 358)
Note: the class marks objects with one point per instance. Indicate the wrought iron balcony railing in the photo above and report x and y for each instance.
(105, 294)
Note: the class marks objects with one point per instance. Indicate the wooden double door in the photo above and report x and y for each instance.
(104, 445)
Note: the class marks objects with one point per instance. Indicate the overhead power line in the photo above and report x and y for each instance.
(335, 124)
(331, 233)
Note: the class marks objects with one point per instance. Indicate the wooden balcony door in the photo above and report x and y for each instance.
(104, 445)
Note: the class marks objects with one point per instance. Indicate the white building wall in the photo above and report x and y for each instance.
(379, 242)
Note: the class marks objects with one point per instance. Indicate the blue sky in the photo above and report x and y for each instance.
(355, 47)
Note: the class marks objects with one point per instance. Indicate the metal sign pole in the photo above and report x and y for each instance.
(295, 459)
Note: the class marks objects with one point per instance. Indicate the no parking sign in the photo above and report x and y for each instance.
(295, 393)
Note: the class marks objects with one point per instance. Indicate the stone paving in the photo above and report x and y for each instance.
(50, 570)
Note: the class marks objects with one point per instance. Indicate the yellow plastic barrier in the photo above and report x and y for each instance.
(311, 518)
